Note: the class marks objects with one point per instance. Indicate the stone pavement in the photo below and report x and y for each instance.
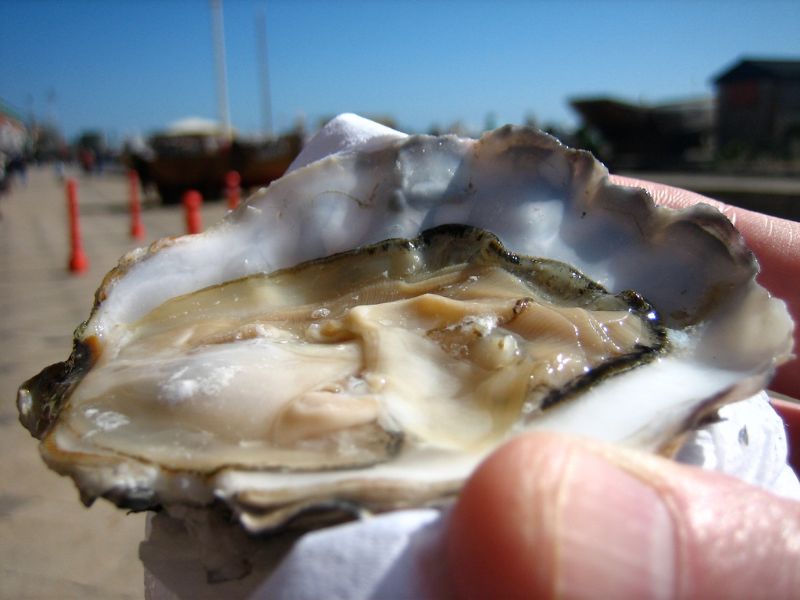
(50, 545)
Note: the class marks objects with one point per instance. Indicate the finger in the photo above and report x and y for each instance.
(548, 516)
(776, 244)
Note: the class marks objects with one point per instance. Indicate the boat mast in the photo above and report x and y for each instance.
(266, 104)
(219, 62)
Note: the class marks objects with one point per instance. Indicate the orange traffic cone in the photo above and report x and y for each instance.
(137, 227)
(78, 263)
(233, 188)
(192, 201)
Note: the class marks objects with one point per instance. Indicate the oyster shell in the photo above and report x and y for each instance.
(363, 332)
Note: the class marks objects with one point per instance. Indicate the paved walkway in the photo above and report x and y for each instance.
(50, 545)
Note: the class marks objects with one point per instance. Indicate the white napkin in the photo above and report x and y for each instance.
(397, 555)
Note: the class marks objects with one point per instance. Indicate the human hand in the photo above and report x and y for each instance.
(549, 516)
(553, 516)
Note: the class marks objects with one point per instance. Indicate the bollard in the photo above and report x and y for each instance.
(137, 227)
(192, 201)
(78, 263)
(232, 187)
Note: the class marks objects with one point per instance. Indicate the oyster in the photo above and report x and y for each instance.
(363, 332)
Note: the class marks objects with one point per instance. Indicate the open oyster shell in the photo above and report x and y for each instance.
(363, 332)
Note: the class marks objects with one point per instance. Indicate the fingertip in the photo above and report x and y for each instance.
(492, 538)
(549, 515)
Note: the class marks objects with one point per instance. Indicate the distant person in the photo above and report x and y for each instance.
(87, 158)
(18, 168)
(3, 173)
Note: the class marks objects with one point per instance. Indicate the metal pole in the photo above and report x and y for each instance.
(219, 61)
(263, 63)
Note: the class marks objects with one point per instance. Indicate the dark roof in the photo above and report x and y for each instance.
(748, 68)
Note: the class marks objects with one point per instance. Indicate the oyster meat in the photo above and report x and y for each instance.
(363, 332)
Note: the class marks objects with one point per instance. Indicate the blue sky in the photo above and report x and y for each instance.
(132, 66)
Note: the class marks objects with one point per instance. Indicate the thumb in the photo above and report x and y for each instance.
(549, 516)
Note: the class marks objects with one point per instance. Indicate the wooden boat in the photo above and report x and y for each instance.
(648, 135)
(197, 155)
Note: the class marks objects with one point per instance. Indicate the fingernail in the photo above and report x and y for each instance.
(616, 538)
